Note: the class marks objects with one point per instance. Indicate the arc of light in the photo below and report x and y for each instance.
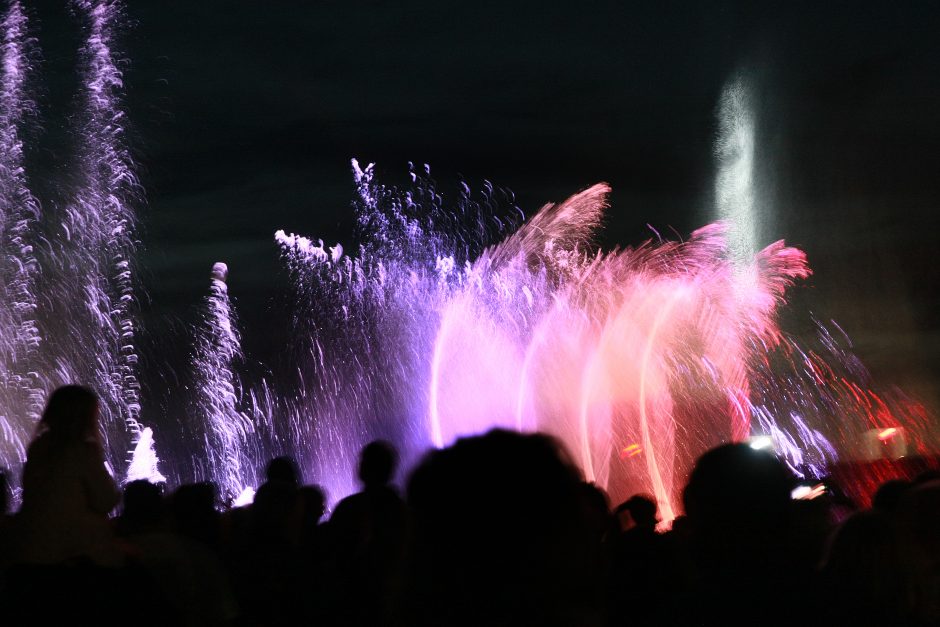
(586, 378)
(537, 338)
(524, 374)
(651, 463)
(437, 438)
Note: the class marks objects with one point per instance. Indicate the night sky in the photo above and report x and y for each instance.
(245, 115)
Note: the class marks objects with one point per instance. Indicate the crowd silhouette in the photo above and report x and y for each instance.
(498, 529)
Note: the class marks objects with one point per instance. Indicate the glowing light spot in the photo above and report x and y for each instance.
(808, 493)
(886, 434)
(761, 443)
(630, 451)
(247, 497)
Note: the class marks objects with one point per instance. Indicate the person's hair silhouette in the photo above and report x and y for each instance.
(70, 414)
(377, 464)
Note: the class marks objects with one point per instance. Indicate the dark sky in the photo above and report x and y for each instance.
(245, 115)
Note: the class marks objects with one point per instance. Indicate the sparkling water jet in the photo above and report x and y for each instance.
(647, 347)
(21, 384)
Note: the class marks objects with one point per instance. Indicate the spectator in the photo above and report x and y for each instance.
(367, 533)
(500, 535)
(67, 491)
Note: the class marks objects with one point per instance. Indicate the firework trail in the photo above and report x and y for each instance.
(21, 387)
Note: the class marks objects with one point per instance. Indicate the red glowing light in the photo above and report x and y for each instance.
(886, 434)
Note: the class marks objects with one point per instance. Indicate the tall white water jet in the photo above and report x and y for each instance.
(218, 396)
(736, 199)
(739, 205)
(21, 387)
(735, 193)
(97, 347)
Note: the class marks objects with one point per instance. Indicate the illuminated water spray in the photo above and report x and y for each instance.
(229, 433)
(425, 339)
(735, 193)
(452, 315)
(95, 342)
(21, 385)
(144, 463)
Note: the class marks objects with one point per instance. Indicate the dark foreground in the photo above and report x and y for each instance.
(496, 530)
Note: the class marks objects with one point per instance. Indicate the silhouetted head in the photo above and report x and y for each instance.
(595, 507)
(864, 569)
(282, 469)
(143, 504)
(194, 513)
(641, 509)
(918, 514)
(737, 501)
(377, 463)
(863, 546)
(71, 414)
(313, 501)
(888, 494)
(500, 531)
(274, 503)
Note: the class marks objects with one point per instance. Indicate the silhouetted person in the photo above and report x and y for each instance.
(738, 505)
(265, 560)
(312, 508)
(273, 511)
(193, 513)
(156, 558)
(203, 589)
(314, 553)
(640, 565)
(595, 506)
(282, 469)
(865, 583)
(637, 511)
(889, 494)
(143, 509)
(66, 555)
(918, 520)
(500, 535)
(367, 535)
(67, 491)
